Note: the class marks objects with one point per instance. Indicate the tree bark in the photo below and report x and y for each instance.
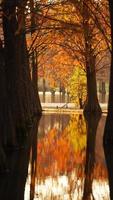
(18, 79)
(92, 104)
(108, 131)
(37, 104)
(44, 90)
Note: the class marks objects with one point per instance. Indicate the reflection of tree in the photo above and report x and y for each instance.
(54, 154)
(60, 150)
(33, 160)
(108, 150)
(91, 124)
(51, 121)
(12, 184)
(77, 132)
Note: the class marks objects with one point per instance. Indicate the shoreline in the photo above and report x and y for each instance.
(66, 110)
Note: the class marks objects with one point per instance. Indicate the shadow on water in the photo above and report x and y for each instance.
(91, 126)
(108, 150)
(12, 182)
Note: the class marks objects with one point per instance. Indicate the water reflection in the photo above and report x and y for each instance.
(108, 149)
(61, 162)
(63, 150)
(12, 183)
(59, 151)
(91, 123)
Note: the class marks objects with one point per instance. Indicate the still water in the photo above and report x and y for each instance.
(67, 159)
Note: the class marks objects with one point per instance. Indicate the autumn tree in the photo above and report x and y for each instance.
(81, 36)
(44, 39)
(86, 47)
(77, 87)
(82, 39)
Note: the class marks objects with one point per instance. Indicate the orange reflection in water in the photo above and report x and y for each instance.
(56, 155)
(61, 156)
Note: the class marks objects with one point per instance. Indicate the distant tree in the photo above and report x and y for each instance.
(77, 87)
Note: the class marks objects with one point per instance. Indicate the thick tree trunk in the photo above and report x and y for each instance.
(108, 131)
(110, 101)
(92, 104)
(19, 84)
(16, 75)
(6, 128)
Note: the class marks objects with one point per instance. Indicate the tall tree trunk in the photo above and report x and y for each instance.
(92, 104)
(110, 101)
(44, 90)
(6, 123)
(19, 84)
(53, 96)
(37, 104)
(108, 131)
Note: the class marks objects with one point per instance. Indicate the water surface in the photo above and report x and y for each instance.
(67, 160)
